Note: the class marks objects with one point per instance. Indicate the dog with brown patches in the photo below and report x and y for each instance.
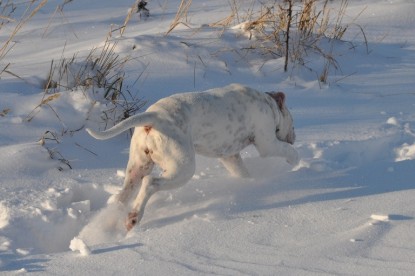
(215, 123)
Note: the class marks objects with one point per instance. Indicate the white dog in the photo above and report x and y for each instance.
(216, 123)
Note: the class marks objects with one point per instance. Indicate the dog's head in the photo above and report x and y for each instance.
(285, 128)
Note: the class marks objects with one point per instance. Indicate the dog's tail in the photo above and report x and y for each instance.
(142, 119)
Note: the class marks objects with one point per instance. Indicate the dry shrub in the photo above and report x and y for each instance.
(101, 73)
(292, 29)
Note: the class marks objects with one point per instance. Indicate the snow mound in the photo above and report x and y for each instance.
(4, 215)
(50, 219)
(380, 217)
(392, 121)
(405, 152)
(106, 226)
(78, 245)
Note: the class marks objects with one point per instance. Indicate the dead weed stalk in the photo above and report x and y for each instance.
(181, 15)
(291, 29)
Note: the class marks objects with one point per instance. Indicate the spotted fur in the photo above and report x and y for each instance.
(215, 123)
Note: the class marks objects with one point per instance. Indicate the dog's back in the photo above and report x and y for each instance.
(221, 120)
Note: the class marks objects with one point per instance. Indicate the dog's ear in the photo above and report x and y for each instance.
(279, 97)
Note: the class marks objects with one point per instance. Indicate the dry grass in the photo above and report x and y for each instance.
(131, 10)
(181, 15)
(32, 8)
(128, 17)
(59, 11)
(100, 74)
(101, 68)
(101, 71)
(54, 154)
(7, 10)
(45, 101)
(4, 112)
(293, 29)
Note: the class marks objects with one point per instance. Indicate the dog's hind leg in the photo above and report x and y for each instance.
(139, 165)
(235, 166)
(134, 174)
(177, 172)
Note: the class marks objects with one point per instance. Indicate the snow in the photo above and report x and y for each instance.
(380, 217)
(78, 244)
(347, 208)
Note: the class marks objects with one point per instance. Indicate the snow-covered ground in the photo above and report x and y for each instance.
(348, 209)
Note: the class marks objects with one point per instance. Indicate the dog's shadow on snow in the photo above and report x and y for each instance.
(116, 248)
(15, 264)
(309, 185)
(275, 185)
(214, 195)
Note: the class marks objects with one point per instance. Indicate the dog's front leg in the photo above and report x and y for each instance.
(235, 166)
(289, 152)
(276, 147)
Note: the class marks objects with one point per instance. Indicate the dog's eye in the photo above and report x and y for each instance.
(277, 130)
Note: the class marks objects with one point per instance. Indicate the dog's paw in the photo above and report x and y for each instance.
(131, 221)
(293, 158)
